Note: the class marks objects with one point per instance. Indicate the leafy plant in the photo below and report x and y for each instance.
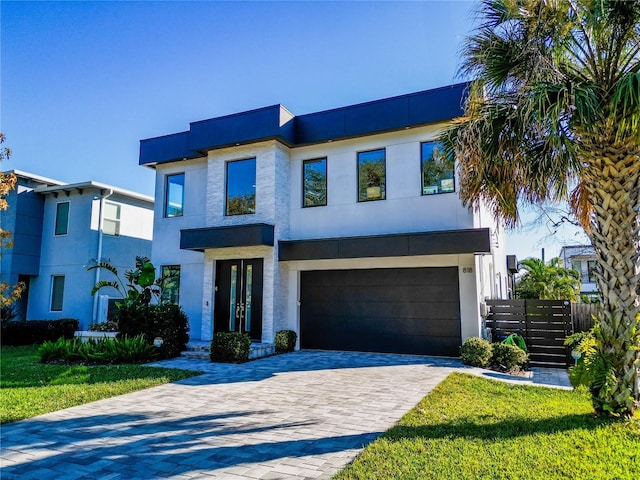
(476, 352)
(141, 285)
(508, 357)
(106, 350)
(230, 347)
(548, 281)
(103, 327)
(516, 340)
(285, 341)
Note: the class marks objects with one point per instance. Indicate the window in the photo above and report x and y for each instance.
(314, 178)
(592, 268)
(174, 195)
(241, 187)
(577, 266)
(111, 219)
(57, 292)
(170, 284)
(436, 177)
(371, 175)
(62, 218)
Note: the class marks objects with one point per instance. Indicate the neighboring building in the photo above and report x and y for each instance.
(61, 229)
(583, 259)
(336, 224)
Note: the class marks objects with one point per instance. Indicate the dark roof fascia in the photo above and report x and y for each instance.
(475, 241)
(200, 239)
(353, 121)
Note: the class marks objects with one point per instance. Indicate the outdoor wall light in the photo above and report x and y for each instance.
(575, 354)
(157, 342)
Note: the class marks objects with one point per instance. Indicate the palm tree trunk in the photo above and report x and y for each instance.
(612, 171)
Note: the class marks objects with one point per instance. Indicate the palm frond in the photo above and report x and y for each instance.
(105, 283)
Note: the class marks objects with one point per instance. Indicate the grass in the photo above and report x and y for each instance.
(29, 388)
(474, 428)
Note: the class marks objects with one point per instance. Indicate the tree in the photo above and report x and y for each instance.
(553, 113)
(8, 293)
(548, 281)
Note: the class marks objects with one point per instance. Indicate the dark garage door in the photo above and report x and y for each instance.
(400, 310)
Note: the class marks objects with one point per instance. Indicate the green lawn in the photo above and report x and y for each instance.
(29, 388)
(474, 428)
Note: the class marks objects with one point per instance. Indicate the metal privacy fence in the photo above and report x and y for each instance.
(544, 324)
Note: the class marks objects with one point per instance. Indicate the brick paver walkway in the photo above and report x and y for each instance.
(300, 415)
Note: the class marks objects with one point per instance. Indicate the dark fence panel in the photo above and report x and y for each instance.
(544, 324)
(582, 316)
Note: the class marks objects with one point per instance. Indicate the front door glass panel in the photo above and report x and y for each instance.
(247, 302)
(232, 301)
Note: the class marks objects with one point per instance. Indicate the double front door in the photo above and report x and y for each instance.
(238, 297)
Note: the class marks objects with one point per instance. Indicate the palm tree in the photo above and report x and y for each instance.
(548, 281)
(554, 114)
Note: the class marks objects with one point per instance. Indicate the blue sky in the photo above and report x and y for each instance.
(83, 82)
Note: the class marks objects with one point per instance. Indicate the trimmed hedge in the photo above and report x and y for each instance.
(508, 357)
(230, 347)
(476, 352)
(168, 322)
(285, 341)
(29, 332)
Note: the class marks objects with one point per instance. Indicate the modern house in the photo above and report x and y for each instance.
(61, 229)
(338, 225)
(582, 258)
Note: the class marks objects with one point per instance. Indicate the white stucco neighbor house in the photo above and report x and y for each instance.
(61, 229)
(582, 258)
(337, 225)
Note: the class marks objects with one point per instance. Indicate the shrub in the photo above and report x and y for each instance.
(230, 347)
(103, 327)
(476, 352)
(37, 331)
(285, 341)
(107, 350)
(168, 322)
(508, 357)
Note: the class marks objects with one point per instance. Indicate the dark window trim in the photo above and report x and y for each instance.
(422, 175)
(384, 149)
(55, 224)
(226, 185)
(326, 181)
(166, 194)
(53, 277)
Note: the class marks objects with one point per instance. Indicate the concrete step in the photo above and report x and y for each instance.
(200, 350)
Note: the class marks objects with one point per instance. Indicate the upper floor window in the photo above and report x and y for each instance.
(372, 175)
(592, 268)
(170, 284)
(436, 177)
(57, 292)
(174, 195)
(314, 182)
(111, 219)
(62, 218)
(577, 266)
(241, 187)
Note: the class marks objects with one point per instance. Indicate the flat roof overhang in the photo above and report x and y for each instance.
(200, 239)
(475, 241)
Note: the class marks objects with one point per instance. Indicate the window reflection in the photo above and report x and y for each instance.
(241, 187)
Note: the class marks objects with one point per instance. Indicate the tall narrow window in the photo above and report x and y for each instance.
(372, 175)
(62, 218)
(111, 220)
(577, 266)
(57, 292)
(436, 177)
(174, 195)
(170, 284)
(592, 268)
(241, 187)
(314, 182)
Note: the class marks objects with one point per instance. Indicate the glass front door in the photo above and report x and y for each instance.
(238, 297)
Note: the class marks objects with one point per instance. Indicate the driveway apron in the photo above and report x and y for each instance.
(300, 415)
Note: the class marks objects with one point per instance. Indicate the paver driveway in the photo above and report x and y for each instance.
(300, 415)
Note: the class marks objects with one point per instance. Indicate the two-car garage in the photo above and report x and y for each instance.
(399, 310)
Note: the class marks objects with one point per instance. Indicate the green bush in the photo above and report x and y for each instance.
(285, 341)
(508, 357)
(230, 347)
(36, 331)
(103, 327)
(168, 322)
(476, 352)
(106, 350)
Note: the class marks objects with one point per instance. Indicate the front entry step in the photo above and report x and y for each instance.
(200, 349)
